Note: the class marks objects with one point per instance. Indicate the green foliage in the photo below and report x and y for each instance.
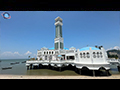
(113, 56)
(28, 56)
(40, 58)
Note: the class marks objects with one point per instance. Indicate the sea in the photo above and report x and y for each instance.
(20, 69)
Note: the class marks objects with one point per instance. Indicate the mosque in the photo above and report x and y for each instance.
(89, 57)
(84, 54)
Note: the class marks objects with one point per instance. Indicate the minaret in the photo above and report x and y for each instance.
(58, 41)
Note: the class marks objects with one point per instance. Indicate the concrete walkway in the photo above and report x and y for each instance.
(57, 77)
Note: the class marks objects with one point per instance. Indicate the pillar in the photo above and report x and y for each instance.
(80, 71)
(93, 72)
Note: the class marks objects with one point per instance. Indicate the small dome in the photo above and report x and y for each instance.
(66, 48)
(51, 48)
(72, 48)
(87, 48)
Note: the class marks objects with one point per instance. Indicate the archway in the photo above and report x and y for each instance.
(85, 71)
(103, 72)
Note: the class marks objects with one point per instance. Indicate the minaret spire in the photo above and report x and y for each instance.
(58, 34)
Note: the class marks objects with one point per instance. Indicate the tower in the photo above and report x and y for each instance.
(58, 41)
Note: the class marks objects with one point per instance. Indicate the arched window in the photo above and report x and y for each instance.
(44, 52)
(81, 55)
(88, 55)
(97, 54)
(101, 54)
(84, 55)
(49, 52)
(94, 55)
(52, 52)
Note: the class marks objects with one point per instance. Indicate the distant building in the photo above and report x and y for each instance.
(112, 53)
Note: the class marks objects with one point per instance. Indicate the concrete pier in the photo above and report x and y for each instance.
(60, 65)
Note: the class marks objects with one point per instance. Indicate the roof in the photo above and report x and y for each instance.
(58, 18)
(87, 48)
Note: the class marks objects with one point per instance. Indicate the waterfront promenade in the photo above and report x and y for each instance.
(57, 77)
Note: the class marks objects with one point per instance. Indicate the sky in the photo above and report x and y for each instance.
(28, 31)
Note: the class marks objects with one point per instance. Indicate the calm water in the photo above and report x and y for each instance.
(20, 69)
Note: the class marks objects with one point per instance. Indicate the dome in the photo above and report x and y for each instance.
(72, 48)
(66, 48)
(87, 48)
(51, 48)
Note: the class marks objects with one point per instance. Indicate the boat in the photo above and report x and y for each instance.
(14, 63)
(4, 68)
(24, 62)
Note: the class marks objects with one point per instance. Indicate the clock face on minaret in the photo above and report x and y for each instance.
(58, 34)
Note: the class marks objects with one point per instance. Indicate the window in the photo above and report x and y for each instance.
(80, 53)
(57, 31)
(56, 45)
(47, 52)
(101, 54)
(83, 55)
(94, 55)
(61, 45)
(50, 57)
(98, 54)
(45, 57)
(88, 55)
(52, 52)
(56, 52)
(44, 52)
(60, 31)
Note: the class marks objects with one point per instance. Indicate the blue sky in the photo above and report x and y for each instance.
(28, 31)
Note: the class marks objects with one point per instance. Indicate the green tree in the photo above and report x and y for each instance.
(29, 57)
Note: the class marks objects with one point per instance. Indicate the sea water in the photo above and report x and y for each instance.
(20, 69)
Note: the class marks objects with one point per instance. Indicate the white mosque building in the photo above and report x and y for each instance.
(83, 55)
(91, 57)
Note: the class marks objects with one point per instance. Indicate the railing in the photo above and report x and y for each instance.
(70, 51)
(62, 51)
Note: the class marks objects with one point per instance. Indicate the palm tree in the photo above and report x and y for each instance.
(96, 46)
(29, 57)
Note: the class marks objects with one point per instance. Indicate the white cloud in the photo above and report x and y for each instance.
(28, 52)
(16, 55)
(7, 53)
(116, 47)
